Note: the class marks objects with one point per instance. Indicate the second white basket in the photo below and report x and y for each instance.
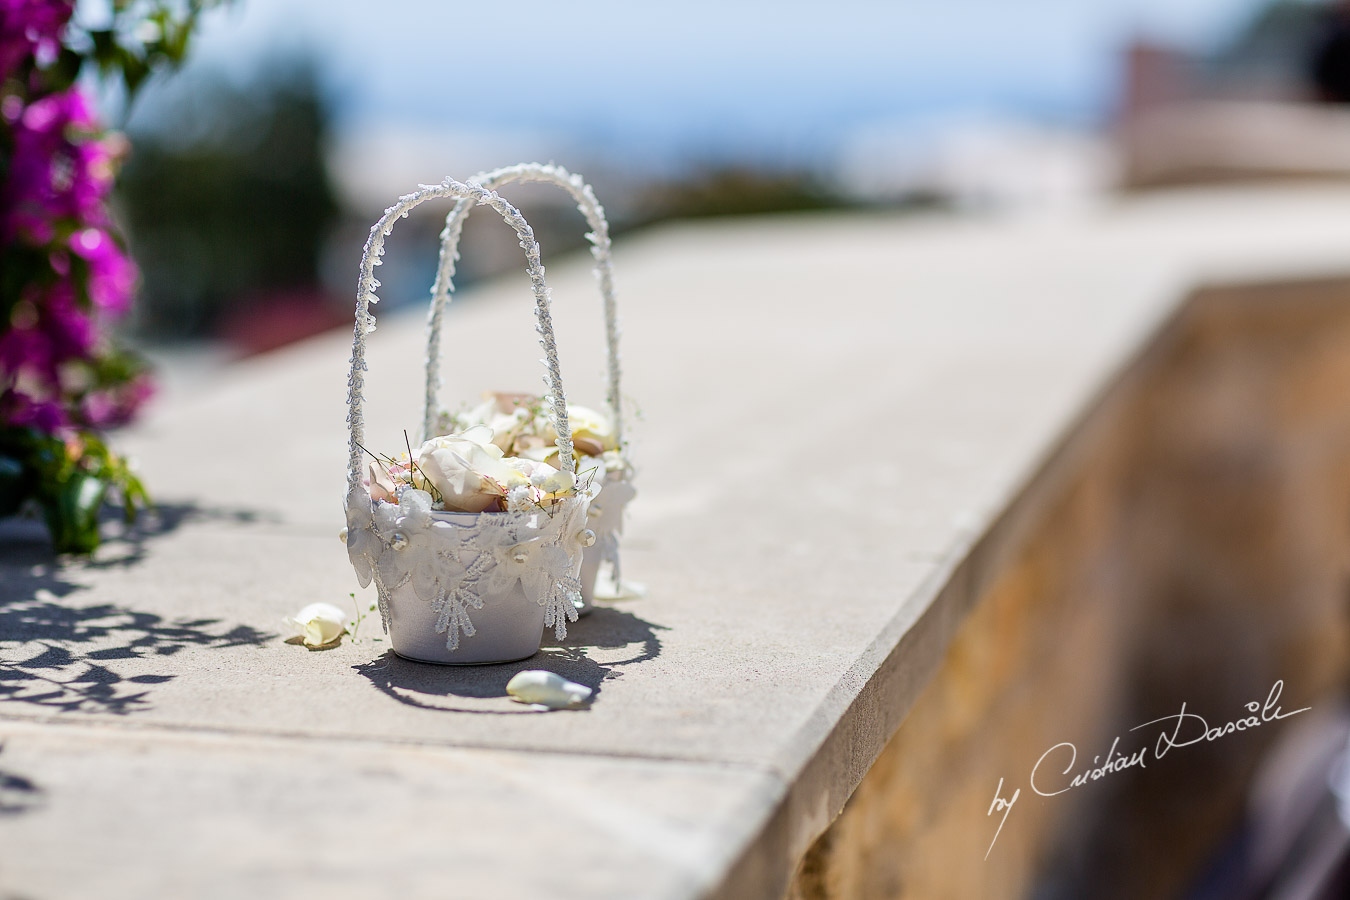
(606, 516)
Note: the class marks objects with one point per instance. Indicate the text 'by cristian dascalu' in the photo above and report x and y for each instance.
(1057, 771)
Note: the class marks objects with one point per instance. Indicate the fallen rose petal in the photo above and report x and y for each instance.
(319, 623)
(549, 689)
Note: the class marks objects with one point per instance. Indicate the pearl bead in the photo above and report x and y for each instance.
(398, 540)
(586, 537)
(342, 535)
(520, 554)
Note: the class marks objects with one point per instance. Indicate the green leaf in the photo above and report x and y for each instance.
(134, 71)
(105, 46)
(134, 495)
(72, 513)
(61, 74)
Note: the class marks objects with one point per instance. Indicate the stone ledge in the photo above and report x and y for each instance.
(897, 441)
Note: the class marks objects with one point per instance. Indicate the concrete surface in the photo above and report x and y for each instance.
(848, 426)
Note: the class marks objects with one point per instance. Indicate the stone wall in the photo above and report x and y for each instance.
(1198, 553)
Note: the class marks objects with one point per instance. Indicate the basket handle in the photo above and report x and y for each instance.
(604, 273)
(365, 322)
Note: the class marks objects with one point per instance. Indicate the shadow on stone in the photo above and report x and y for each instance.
(17, 793)
(424, 685)
(61, 656)
(23, 539)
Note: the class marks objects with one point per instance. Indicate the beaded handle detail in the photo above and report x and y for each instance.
(445, 273)
(365, 322)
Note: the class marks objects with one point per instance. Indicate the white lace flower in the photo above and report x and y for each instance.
(419, 547)
(535, 564)
(363, 544)
(543, 563)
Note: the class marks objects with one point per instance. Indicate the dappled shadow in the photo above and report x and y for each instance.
(609, 628)
(61, 656)
(18, 794)
(126, 544)
(24, 541)
(429, 686)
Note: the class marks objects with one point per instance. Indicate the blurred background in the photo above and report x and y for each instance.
(257, 170)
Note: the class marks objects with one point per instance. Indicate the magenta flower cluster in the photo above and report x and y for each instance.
(30, 28)
(69, 276)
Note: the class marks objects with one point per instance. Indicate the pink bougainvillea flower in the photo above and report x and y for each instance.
(17, 408)
(31, 28)
(58, 181)
(57, 170)
(116, 406)
(112, 276)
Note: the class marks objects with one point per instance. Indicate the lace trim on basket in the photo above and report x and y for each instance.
(455, 566)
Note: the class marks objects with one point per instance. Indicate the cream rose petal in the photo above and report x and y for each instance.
(540, 688)
(480, 435)
(480, 414)
(319, 623)
(540, 453)
(467, 469)
(381, 484)
(452, 475)
(588, 423)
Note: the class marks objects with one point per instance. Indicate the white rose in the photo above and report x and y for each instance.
(319, 623)
(467, 469)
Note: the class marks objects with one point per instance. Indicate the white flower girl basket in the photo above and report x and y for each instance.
(605, 516)
(457, 587)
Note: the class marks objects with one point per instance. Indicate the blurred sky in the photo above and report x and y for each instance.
(663, 83)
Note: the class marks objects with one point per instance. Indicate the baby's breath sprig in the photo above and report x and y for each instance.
(360, 616)
(388, 462)
(383, 460)
(413, 467)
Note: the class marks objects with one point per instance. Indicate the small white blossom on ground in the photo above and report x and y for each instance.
(319, 623)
